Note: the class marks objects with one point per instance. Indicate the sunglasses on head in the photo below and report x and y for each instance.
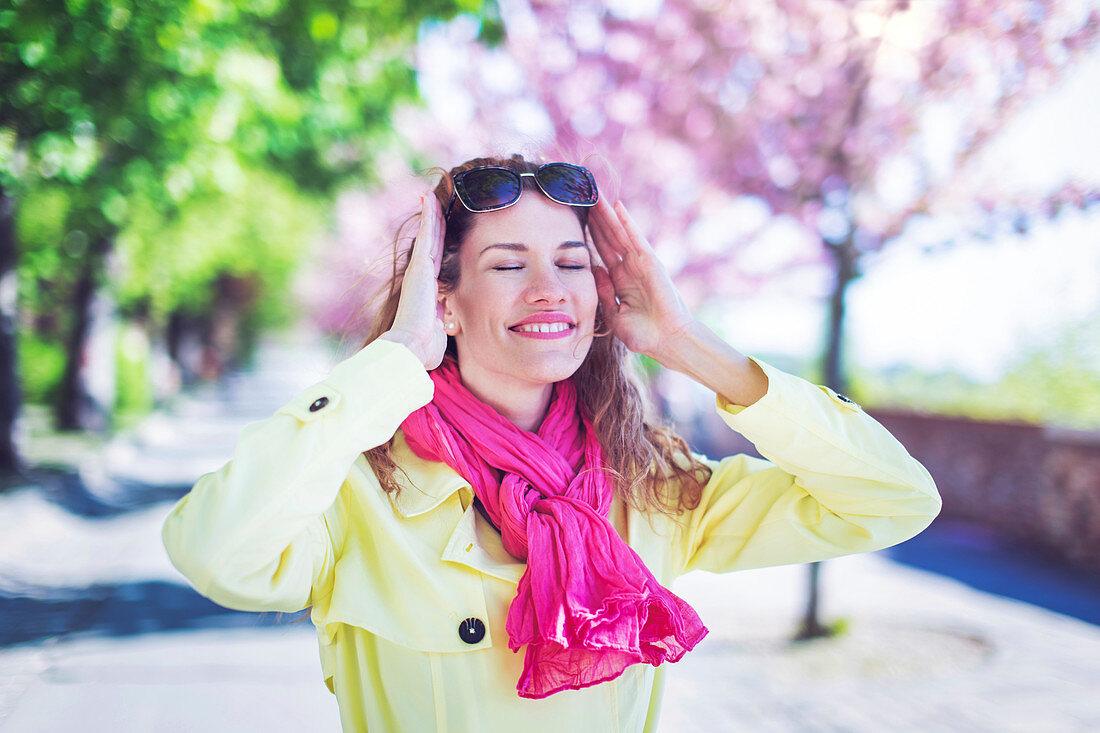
(491, 187)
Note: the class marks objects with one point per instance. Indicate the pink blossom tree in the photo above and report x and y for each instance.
(844, 122)
(851, 120)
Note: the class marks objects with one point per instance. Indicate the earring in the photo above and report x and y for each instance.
(448, 327)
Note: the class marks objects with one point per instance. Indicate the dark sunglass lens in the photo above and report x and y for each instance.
(568, 184)
(489, 188)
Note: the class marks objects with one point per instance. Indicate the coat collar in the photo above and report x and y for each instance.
(473, 542)
(424, 484)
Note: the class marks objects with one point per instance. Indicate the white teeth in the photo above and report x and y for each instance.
(543, 327)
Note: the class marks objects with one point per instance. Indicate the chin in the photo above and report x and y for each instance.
(549, 371)
(551, 367)
(507, 362)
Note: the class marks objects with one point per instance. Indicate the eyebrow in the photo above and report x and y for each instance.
(520, 247)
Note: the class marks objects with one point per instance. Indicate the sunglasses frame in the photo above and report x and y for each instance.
(519, 177)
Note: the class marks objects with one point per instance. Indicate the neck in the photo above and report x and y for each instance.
(524, 404)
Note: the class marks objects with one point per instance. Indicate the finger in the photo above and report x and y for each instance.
(605, 291)
(615, 235)
(424, 246)
(626, 270)
(601, 212)
(612, 261)
(431, 214)
(642, 260)
(612, 239)
(635, 237)
(600, 238)
(630, 259)
(424, 225)
(439, 233)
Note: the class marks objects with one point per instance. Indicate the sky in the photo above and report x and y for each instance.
(970, 308)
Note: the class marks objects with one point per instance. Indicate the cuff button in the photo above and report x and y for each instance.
(318, 404)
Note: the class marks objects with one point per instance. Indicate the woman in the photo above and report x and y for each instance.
(480, 480)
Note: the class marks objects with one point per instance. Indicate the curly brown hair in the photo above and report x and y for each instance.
(652, 467)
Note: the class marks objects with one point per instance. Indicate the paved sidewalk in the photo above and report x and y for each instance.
(179, 682)
(922, 653)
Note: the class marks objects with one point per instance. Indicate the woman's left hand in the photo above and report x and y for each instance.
(639, 302)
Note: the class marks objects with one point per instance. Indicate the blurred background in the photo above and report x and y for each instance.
(897, 199)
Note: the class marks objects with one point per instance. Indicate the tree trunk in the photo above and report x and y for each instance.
(234, 296)
(71, 408)
(844, 255)
(812, 627)
(173, 335)
(10, 395)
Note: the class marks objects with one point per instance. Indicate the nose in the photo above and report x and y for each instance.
(545, 286)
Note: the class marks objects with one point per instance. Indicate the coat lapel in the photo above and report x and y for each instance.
(476, 544)
(424, 484)
(473, 541)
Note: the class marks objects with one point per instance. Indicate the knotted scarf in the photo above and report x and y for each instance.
(586, 606)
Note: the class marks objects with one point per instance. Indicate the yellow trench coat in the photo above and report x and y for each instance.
(297, 518)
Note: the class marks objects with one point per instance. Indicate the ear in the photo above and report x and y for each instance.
(446, 313)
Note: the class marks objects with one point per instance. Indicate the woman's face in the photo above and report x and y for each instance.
(525, 303)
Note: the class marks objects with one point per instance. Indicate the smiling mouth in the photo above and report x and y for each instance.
(543, 328)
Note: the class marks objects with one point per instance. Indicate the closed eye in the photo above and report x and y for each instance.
(563, 266)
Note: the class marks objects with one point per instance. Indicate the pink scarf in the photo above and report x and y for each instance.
(586, 606)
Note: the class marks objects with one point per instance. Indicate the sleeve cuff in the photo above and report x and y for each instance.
(786, 392)
(730, 408)
(369, 393)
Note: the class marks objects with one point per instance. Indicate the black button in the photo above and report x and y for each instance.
(318, 404)
(471, 631)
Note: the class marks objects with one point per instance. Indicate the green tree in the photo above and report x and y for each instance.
(116, 107)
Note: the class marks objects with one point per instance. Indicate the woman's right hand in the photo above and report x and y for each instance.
(418, 323)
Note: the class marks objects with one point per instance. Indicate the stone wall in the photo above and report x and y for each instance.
(1039, 485)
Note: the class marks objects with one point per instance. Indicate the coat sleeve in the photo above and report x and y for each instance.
(254, 535)
(835, 482)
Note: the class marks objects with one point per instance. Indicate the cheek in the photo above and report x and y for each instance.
(587, 297)
(478, 306)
